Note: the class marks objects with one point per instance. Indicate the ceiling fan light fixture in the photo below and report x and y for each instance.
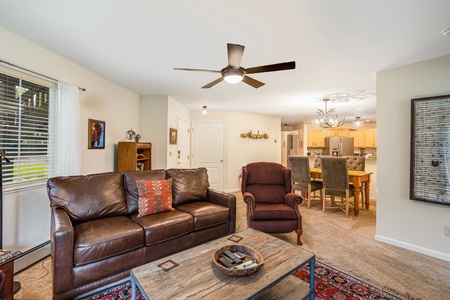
(232, 75)
(233, 78)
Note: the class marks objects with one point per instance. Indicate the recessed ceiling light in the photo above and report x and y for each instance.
(446, 32)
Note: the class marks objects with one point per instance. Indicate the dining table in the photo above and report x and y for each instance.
(355, 177)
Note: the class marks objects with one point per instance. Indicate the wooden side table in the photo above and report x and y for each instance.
(7, 266)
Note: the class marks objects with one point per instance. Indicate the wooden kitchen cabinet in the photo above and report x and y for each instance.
(337, 132)
(370, 136)
(134, 156)
(358, 137)
(316, 139)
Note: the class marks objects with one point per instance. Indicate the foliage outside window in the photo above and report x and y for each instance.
(24, 119)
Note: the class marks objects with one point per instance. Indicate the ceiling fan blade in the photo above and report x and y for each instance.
(198, 70)
(253, 82)
(271, 68)
(211, 84)
(235, 53)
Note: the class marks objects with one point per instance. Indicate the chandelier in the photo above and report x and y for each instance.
(327, 118)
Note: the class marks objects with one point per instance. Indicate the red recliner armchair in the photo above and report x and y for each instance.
(271, 205)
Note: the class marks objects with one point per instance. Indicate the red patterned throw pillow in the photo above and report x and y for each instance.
(154, 196)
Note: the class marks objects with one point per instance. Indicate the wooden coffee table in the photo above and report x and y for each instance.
(191, 274)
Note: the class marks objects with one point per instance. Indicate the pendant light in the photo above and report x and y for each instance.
(358, 122)
(327, 118)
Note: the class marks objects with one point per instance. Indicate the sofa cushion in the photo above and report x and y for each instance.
(206, 214)
(154, 196)
(188, 185)
(88, 197)
(131, 190)
(102, 238)
(164, 226)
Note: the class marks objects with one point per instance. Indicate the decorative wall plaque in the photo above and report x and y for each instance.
(430, 149)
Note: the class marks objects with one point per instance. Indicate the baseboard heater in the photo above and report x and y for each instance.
(32, 256)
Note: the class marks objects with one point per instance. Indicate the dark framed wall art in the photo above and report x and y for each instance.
(430, 149)
(96, 134)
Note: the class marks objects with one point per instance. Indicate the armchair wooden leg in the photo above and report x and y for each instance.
(299, 233)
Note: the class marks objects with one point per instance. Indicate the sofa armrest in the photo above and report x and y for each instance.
(224, 199)
(62, 245)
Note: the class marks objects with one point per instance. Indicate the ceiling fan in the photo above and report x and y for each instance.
(234, 73)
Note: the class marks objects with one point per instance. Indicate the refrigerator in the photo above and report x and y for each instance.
(339, 146)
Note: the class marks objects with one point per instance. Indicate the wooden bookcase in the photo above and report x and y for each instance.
(134, 156)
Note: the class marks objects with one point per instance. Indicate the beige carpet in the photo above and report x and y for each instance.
(344, 243)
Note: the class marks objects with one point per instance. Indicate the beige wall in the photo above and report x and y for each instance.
(157, 115)
(414, 225)
(176, 110)
(153, 118)
(241, 151)
(27, 213)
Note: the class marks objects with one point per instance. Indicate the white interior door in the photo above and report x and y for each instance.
(208, 151)
(183, 144)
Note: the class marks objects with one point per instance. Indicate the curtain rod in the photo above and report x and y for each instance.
(15, 66)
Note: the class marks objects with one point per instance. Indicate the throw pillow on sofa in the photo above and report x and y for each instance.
(131, 190)
(155, 196)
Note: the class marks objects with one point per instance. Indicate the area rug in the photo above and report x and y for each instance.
(329, 282)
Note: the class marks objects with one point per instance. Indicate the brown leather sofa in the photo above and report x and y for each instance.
(96, 236)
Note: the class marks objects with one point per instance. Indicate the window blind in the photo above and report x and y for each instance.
(24, 118)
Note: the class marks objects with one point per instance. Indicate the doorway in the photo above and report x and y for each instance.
(208, 151)
(183, 155)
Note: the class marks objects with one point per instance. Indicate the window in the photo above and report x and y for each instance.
(24, 119)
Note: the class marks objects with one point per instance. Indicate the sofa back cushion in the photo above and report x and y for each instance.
(88, 197)
(131, 189)
(188, 185)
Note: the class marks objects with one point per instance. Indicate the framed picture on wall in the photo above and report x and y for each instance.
(430, 149)
(173, 136)
(96, 134)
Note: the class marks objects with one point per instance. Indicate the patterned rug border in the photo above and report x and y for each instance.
(102, 289)
(353, 277)
(386, 289)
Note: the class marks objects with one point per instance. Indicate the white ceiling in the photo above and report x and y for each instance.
(338, 47)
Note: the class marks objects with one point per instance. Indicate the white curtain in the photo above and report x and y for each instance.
(64, 130)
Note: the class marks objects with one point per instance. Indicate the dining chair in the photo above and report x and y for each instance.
(271, 206)
(358, 163)
(301, 178)
(335, 182)
(318, 162)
